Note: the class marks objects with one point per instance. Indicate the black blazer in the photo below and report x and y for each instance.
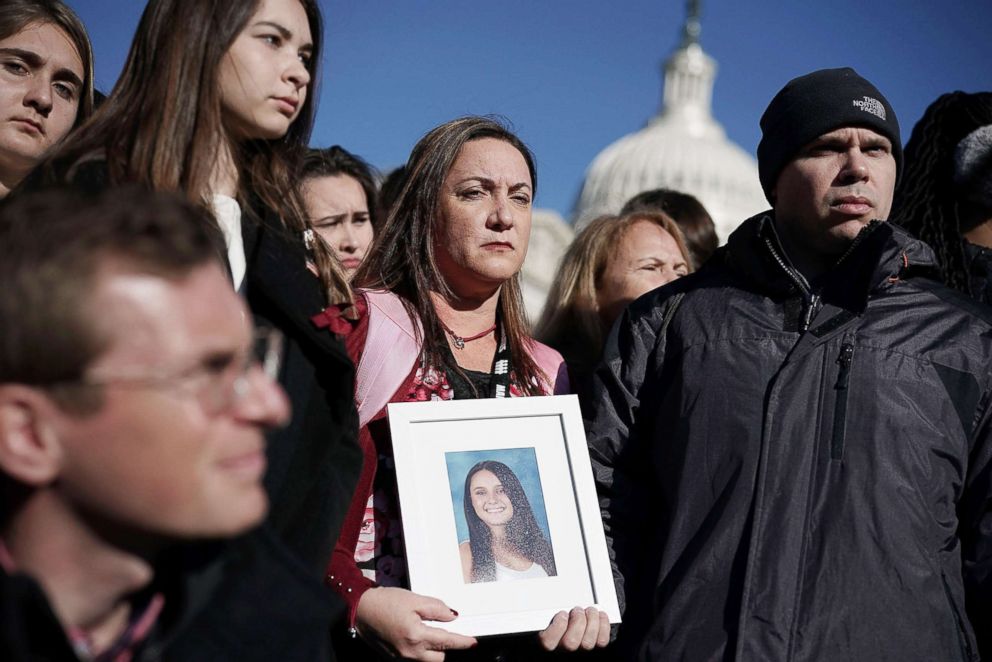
(272, 605)
(314, 462)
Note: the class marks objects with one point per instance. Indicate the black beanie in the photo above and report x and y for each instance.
(817, 103)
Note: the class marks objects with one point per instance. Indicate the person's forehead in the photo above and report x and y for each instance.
(335, 186)
(492, 158)
(484, 475)
(849, 133)
(632, 239)
(50, 42)
(289, 14)
(156, 321)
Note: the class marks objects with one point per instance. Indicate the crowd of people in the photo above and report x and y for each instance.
(203, 320)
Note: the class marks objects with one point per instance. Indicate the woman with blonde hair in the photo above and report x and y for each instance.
(611, 262)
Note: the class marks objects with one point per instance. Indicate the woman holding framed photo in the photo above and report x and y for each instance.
(440, 317)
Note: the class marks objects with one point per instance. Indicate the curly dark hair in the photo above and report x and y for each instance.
(522, 531)
(926, 202)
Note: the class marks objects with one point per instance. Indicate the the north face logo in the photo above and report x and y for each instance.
(870, 105)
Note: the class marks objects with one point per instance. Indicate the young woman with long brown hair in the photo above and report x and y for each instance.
(505, 542)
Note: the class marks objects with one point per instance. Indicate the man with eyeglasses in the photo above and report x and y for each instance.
(134, 397)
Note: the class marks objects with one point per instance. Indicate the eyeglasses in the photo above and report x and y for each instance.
(218, 383)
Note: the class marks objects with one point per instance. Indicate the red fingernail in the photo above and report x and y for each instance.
(453, 611)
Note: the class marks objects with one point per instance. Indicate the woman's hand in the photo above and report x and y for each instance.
(392, 620)
(580, 628)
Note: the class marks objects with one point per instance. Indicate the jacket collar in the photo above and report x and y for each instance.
(882, 253)
(187, 576)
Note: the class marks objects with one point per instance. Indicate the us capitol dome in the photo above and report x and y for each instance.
(682, 148)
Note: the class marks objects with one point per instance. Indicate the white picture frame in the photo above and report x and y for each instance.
(543, 440)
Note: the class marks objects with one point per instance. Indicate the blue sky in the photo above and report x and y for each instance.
(573, 76)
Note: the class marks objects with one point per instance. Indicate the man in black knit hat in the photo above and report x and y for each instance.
(793, 444)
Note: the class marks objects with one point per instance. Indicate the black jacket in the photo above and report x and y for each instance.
(263, 605)
(277, 595)
(795, 476)
(29, 630)
(186, 576)
(979, 259)
(315, 461)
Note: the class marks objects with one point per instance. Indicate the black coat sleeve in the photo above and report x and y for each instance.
(975, 515)
(618, 423)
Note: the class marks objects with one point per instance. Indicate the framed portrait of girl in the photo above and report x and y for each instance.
(500, 514)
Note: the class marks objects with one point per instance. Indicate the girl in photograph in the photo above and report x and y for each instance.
(504, 541)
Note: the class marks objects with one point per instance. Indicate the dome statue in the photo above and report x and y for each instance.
(682, 148)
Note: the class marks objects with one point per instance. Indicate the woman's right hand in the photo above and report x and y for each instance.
(391, 619)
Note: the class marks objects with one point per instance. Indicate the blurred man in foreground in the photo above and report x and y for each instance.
(132, 410)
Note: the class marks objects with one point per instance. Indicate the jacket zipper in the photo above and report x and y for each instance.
(810, 300)
(959, 625)
(844, 360)
(865, 231)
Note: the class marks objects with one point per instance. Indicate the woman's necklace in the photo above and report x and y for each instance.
(459, 341)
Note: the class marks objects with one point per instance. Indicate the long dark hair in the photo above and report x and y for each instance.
(15, 15)
(522, 531)
(926, 203)
(402, 257)
(161, 125)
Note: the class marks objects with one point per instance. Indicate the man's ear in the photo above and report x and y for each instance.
(30, 451)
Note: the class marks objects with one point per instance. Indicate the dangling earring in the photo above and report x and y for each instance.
(309, 241)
